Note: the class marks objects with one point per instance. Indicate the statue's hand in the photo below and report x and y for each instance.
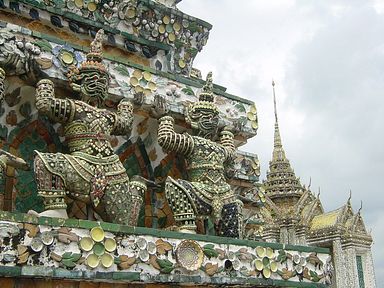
(125, 106)
(12, 63)
(43, 105)
(138, 98)
(160, 106)
(12, 160)
(124, 118)
(167, 119)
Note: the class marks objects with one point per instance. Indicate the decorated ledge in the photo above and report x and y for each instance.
(54, 60)
(140, 21)
(80, 249)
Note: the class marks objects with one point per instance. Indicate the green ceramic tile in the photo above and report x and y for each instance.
(28, 218)
(146, 231)
(36, 271)
(45, 220)
(67, 274)
(4, 215)
(71, 223)
(18, 217)
(110, 226)
(103, 275)
(87, 224)
(9, 271)
(129, 276)
(127, 229)
(52, 39)
(87, 274)
(57, 222)
(282, 283)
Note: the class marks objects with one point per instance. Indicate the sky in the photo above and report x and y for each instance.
(327, 59)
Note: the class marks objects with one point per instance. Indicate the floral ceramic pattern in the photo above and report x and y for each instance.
(65, 56)
(98, 250)
(144, 19)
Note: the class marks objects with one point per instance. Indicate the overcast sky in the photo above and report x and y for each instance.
(327, 59)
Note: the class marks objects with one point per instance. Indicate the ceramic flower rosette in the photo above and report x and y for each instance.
(98, 248)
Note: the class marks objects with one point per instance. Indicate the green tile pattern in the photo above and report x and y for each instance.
(360, 271)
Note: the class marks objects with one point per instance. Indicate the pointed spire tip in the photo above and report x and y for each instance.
(361, 206)
(274, 101)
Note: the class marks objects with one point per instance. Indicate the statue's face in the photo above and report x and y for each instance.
(94, 87)
(205, 123)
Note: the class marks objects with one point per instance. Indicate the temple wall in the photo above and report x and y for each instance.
(351, 267)
(340, 277)
(368, 268)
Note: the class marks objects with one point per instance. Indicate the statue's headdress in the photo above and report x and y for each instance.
(205, 102)
(94, 62)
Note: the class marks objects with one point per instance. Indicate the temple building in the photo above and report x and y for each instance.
(122, 167)
(292, 214)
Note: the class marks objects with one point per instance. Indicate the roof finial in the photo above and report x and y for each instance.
(350, 195)
(208, 87)
(310, 182)
(97, 43)
(274, 99)
(361, 206)
(318, 193)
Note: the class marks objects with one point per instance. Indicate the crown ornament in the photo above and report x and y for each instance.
(205, 102)
(94, 62)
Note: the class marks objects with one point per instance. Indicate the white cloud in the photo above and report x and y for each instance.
(327, 58)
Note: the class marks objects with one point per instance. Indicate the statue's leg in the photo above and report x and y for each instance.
(137, 188)
(231, 222)
(122, 201)
(51, 188)
(180, 202)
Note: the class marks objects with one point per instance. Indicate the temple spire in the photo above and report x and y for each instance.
(281, 179)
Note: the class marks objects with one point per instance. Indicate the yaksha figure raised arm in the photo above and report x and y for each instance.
(92, 174)
(206, 193)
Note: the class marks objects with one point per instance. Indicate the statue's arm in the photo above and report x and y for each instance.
(172, 141)
(59, 110)
(123, 118)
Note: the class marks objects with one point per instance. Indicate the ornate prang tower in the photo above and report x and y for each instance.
(294, 215)
(282, 186)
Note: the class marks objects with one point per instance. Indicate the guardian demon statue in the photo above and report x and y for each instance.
(207, 192)
(92, 173)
